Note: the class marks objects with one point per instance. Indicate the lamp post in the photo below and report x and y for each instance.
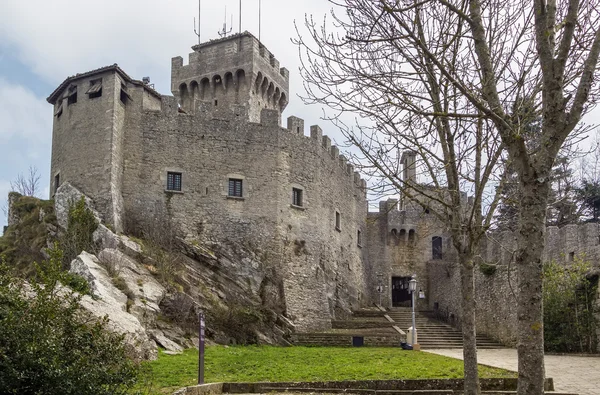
(412, 287)
(380, 286)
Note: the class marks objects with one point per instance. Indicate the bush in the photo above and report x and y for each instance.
(569, 316)
(78, 237)
(48, 345)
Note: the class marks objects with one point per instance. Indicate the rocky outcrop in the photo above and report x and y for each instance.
(66, 195)
(109, 301)
(12, 216)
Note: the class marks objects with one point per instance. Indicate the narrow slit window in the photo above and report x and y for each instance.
(359, 238)
(297, 197)
(56, 182)
(338, 221)
(235, 187)
(174, 181)
(436, 247)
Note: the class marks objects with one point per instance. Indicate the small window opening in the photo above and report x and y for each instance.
(95, 89)
(72, 95)
(297, 197)
(173, 181)
(358, 238)
(436, 247)
(125, 96)
(571, 256)
(235, 187)
(298, 129)
(338, 221)
(56, 182)
(216, 103)
(59, 110)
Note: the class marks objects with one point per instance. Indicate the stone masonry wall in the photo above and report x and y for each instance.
(320, 267)
(400, 245)
(496, 293)
(82, 140)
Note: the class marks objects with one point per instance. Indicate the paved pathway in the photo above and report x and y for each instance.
(572, 374)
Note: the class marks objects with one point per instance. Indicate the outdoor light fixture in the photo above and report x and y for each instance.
(412, 287)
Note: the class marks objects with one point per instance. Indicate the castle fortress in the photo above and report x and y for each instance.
(213, 160)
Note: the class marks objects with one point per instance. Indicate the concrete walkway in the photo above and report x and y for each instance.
(580, 375)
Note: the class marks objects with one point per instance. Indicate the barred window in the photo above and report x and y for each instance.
(297, 197)
(173, 181)
(235, 187)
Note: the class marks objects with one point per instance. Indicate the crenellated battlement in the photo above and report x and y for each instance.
(237, 69)
(295, 125)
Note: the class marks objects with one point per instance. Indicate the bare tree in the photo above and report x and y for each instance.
(471, 76)
(27, 184)
(409, 108)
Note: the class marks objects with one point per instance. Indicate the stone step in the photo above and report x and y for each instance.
(275, 389)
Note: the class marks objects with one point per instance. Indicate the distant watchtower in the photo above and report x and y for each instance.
(235, 70)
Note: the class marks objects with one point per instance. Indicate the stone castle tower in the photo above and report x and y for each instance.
(231, 71)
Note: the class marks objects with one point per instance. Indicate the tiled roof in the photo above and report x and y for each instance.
(115, 67)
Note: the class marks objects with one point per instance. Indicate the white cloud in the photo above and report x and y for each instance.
(23, 116)
(60, 38)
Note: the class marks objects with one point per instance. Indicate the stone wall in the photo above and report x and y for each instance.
(496, 292)
(320, 267)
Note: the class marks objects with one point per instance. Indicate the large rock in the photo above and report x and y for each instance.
(145, 292)
(66, 195)
(12, 216)
(108, 301)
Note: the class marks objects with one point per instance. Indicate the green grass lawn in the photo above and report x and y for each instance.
(266, 363)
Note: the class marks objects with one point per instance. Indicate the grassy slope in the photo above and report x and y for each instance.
(264, 363)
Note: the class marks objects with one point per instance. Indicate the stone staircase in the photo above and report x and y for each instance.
(432, 333)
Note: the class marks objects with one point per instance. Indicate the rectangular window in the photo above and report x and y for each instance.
(125, 96)
(338, 221)
(297, 197)
(436, 247)
(95, 89)
(72, 95)
(235, 187)
(358, 238)
(173, 181)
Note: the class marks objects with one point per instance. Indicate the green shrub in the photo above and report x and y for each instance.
(78, 237)
(48, 345)
(569, 322)
(487, 269)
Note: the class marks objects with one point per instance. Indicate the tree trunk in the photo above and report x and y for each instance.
(530, 282)
(469, 332)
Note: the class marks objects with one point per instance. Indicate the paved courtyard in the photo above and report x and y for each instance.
(572, 374)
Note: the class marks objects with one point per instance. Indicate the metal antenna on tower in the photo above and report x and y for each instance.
(225, 32)
(259, 18)
(240, 16)
(199, 14)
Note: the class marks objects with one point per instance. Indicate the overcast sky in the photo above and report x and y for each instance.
(42, 42)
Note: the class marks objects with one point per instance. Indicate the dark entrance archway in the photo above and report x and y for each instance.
(400, 293)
